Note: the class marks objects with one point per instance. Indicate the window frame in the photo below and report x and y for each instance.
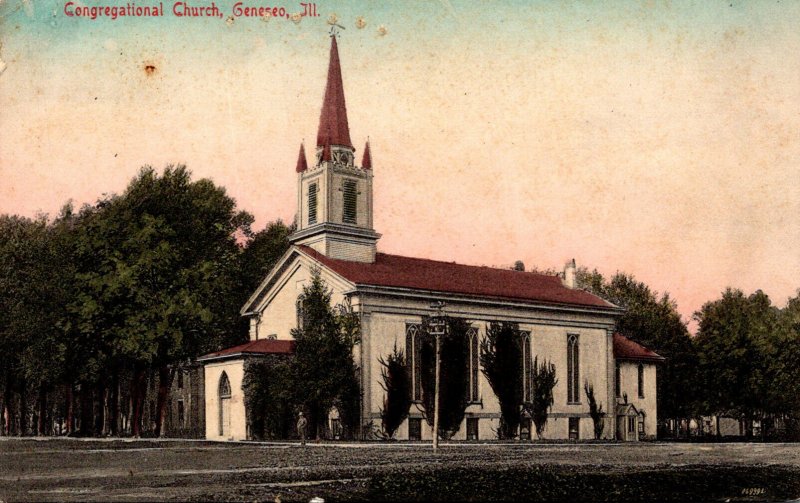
(573, 369)
(223, 392)
(350, 190)
(473, 395)
(640, 379)
(312, 193)
(527, 362)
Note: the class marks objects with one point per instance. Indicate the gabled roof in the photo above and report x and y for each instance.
(626, 349)
(395, 271)
(259, 347)
(333, 127)
(627, 409)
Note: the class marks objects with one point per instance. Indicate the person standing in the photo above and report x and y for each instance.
(301, 428)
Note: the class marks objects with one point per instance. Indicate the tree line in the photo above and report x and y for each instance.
(99, 300)
(741, 363)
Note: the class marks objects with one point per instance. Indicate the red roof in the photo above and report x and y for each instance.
(333, 128)
(626, 349)
(259, 347)
(431, 275)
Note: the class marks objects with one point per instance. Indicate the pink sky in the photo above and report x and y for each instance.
(657, 140)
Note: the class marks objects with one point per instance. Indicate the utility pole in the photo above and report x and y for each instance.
(438, 326)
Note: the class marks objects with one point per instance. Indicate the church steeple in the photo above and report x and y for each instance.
(334, 196)
(333, 126)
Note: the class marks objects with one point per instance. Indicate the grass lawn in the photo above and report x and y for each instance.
(146, 470)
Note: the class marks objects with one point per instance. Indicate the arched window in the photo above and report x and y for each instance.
(617, 380)
(573, 370)
(641, 380)
(414, 360)
(472, 390)
(224, 393)
(525, 343)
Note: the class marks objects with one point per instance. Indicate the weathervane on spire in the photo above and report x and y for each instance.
(333, 20)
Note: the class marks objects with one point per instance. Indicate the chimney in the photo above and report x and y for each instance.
(569, 274)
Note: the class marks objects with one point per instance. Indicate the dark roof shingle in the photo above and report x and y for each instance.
(432, 275)
(258, 347)
(626, 349)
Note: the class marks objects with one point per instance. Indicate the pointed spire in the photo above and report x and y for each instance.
(366, 161)
(333, 127)
(326, 152)
(302, 165)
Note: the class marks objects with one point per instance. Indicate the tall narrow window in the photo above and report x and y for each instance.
(299, 313)
(573, 370)
(414, 360)
(312, 203)
(472, 391)
(617, 380)
(180, 378)
(350, 194)
(641, 381)
(525, 342)
(224, 394)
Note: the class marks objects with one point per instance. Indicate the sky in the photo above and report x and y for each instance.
(657, 138)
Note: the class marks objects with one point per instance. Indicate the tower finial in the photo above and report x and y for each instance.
(302, 165)
(366, 161)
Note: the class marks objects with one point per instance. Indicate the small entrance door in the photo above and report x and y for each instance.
(225, 420)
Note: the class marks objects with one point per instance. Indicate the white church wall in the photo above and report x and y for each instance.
(234, 369)
(386, 326)
(629, 384)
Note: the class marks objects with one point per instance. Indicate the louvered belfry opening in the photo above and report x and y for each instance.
(350, 195)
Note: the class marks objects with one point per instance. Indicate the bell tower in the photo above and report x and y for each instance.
(334, 195)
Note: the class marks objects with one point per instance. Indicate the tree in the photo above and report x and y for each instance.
(323, 369)
(595, 410)
(267, 403)
(543, 380)
(396, 378)
(158, 277)
(654, 322)
(735, 339)
(501, 361)
(453, 378)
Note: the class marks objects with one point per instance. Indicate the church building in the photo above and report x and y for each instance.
(391, 294)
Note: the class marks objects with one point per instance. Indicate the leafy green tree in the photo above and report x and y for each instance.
(396, 378)
(501, 363)
(735, 338)
(162, 284)
(543, 381)
(324, 373)
(267, 403)
(595, 410)
(20, 280)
